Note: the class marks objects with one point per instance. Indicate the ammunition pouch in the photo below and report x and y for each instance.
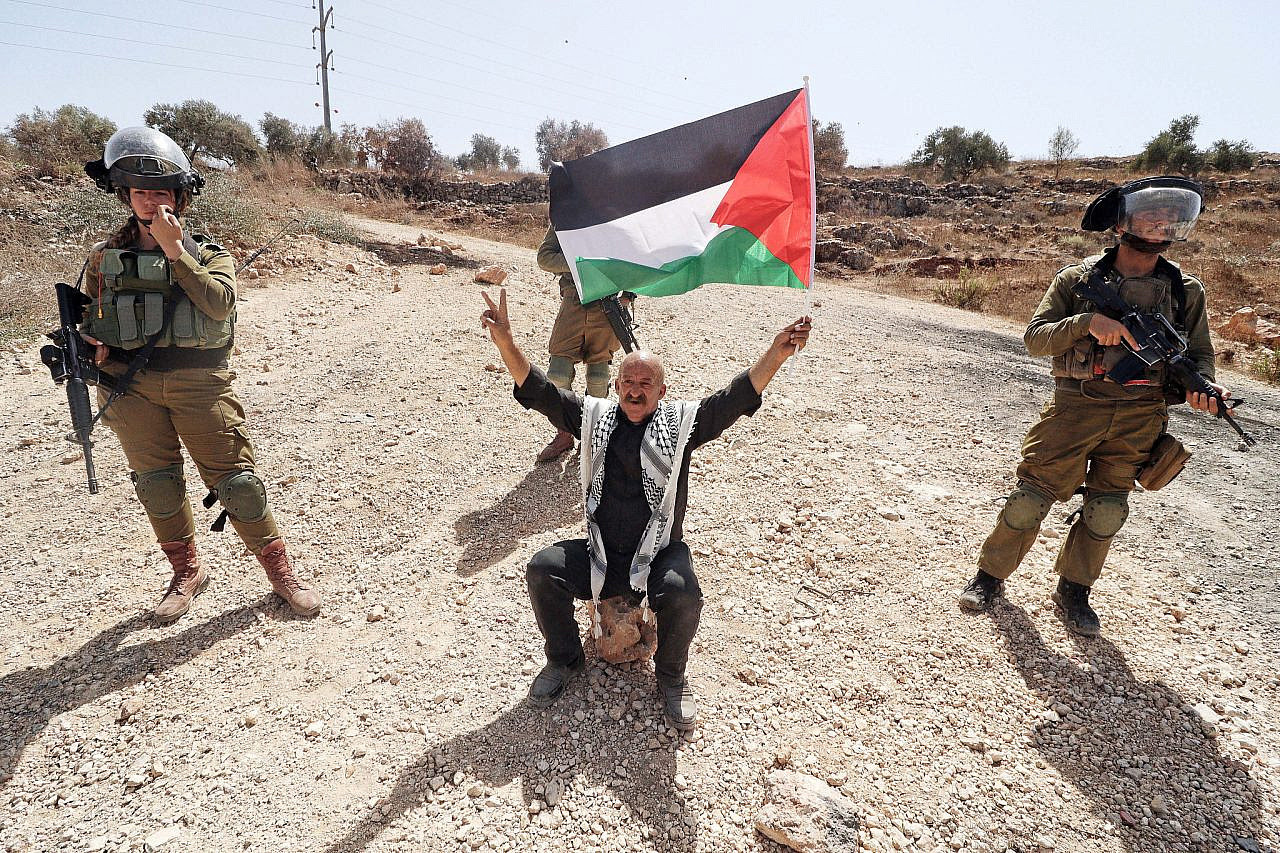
(1168, 458)
(129, 308)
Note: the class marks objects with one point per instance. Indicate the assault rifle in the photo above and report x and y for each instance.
(1158, 343)
(70, 360)
(620, 318)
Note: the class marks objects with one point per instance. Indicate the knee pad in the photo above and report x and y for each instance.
(598, 379)
(162, 493)
(243, 496)
(1026, 507)
(1105, 514)
(560, 372)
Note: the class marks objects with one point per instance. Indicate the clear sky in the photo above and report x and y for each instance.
(1114, 73)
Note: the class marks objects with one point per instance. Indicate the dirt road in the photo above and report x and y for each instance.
(831, 532)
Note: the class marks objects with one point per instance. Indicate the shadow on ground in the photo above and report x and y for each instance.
(536, 747)
(30, 698)
(548, 497)
(408, 254)
(1126, 742)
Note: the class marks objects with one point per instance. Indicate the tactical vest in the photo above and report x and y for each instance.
(1162, 291)
(136, 299)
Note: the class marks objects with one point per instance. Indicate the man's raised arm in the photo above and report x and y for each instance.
(785, 344)
(495, 319)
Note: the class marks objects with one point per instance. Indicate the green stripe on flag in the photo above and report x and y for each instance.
(733, 256)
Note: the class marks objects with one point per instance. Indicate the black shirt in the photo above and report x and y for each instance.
(623, 511)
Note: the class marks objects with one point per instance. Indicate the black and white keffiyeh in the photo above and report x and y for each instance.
(661, 455)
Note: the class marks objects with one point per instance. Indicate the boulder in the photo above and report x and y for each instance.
(625, 635)
(1241, 326)
(491, 275)
(806, 814)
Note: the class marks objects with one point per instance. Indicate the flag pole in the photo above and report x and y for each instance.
(813, 200)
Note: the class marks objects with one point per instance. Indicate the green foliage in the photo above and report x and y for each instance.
(60, 141)
(1173, 149)
(957, 153)
(484, 156)
(87, 213)
(556, 141)
(1266, 365)
(200, 128)
(510, 158)
(1228, 156)
(284, 138)
(1062, 145)
(403, 147)
(225, 211)
(968, 291)
(329, 225)
(829, 151)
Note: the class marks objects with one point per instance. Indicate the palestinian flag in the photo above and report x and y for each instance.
(726, 199)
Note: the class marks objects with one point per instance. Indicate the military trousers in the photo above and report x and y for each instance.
(1099, 438)
(165, 410)
(581, 333)
(562, 572)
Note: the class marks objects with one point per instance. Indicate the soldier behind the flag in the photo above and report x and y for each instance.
(581, 334)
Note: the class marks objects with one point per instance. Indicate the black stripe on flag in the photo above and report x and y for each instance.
(665, 166)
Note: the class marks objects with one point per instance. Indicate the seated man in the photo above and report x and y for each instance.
(635, 467)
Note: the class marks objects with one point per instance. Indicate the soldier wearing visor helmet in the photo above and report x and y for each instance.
(1096, 433)
(162, 317)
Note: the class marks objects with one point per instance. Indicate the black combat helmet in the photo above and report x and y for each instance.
(144, 158)
(1176, 199)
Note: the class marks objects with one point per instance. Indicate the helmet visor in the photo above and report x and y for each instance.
(1159, 214)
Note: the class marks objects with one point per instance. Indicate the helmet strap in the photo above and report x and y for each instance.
(1147, 247)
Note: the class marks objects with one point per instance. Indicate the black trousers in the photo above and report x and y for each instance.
(561, 572)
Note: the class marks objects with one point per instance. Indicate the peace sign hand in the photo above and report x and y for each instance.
(495, 317)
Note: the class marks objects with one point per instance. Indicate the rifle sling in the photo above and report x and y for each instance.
(139, 361)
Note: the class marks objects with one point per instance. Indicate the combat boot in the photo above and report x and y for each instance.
(551, 682)
(981, 591)
(189, 580)
(560, 445)
(300, 595)
(679, 704)
(1077, 615)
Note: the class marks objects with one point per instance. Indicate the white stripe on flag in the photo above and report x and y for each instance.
(652, 237)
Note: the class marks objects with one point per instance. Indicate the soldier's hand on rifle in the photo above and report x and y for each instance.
(1110, 332)
(495, 318)
(1206, 403)
(99, 348)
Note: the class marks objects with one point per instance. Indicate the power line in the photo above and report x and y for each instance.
(611, 100)
(240, 11)
(482, 121)
(134, 21)
(444, 83)
(591, 71)
(203, 52)
(154, 62)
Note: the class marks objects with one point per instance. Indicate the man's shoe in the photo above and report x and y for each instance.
(1077, 615)
(300, 595)
(560, 445)
(551, 682)
(679, 704)
(189, 580)
(980, 592)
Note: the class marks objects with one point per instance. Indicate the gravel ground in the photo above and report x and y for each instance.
(831, 533)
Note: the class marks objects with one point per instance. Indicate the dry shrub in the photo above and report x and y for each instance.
(968, 291)
(1266, 366)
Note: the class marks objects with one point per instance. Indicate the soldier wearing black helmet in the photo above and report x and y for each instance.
(162, 318)
(1095, 432)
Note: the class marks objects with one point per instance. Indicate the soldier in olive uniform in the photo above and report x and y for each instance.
(163, 315)
(581, 334)
(1096, 432)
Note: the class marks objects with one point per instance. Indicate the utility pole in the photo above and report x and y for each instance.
(326, 59)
